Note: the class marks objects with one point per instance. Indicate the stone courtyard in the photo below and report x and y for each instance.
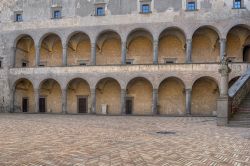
(29, 139)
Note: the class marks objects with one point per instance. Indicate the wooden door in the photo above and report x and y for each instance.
(25, 104)
(82, 105)
(42, 104)
(129, 106)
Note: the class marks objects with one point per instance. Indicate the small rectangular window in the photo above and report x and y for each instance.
(83, 64)
(145, 8)
(100, 11)
(129, 61)
(0, 63)
(57, 14)
(24, 64)
(19, 17)
(237, 4)
(191, 6)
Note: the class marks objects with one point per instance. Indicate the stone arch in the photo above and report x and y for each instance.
(78, 49)
(172, 43)
(108, 46)
(206, 45)
(25, 51)
(23, 96)
(108, 94)
(50, 89)
(205, 92)
(139, 90)
(140, 46)
(51, 49)
(238, 39)
(212, 27)
(78, 95)
(171, 97)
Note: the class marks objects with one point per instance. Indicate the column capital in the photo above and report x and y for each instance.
(65, 47)
(188, 89)
(38, 46)
(155, 90)
(223, 40)
(188, 40)
(156, 41)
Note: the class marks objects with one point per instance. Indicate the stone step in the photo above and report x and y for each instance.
(235, 118)
(239, 125)
(245, 104)
(239, 122)
(242, 110)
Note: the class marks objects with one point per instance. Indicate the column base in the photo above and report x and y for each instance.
(223, 110)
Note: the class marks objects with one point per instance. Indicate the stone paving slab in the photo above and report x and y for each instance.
(85, 140)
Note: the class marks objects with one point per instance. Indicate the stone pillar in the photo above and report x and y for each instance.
(222, 48)
(189, 51)
(223, 102)
(123, 101)
(93, 53)
(93, 101)
(155, 59)
(124, 52)
(64, 101)
(64, 55)
(155, 102)
(37, 61)
(14, 57)
(188, 101)
(37, 96)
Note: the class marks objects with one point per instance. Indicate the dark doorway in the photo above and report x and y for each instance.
(129, 106)
(25, 104)
(42, 104)
(246, 54)
(82, 105)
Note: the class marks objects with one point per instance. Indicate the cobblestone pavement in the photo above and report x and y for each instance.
(28, 139)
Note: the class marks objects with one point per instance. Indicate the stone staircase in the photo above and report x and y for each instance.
(241, 118)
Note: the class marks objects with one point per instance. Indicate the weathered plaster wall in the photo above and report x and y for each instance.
(141, 51)
(51, 51)
(51, 90)
(204, 95)
(141, 92)
(108, 92)
(109, 53)
(172, 97)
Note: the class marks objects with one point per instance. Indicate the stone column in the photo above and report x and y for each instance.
(93, 101)
(188, 101)
(14, 57)
(189, 51)
(222, 48)
(37, 61)
(37, 96)
(64, 101)
(223, 102)
(155, 102)
(64, 55)
(93, 53)
(155, 59)
(123, 101)
(124, 52)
